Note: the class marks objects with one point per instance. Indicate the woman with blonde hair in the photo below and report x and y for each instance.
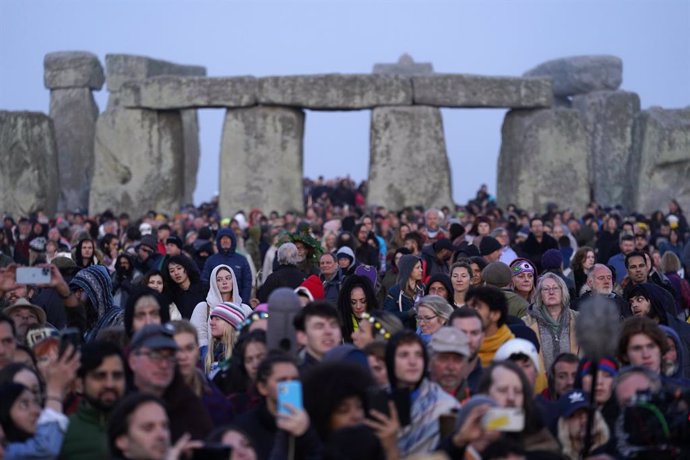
(226, 319)
(551, 318)
(223, 287)
(219, 407)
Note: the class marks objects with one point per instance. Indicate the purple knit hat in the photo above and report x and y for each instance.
(231, 313)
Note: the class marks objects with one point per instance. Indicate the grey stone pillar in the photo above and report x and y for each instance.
(609, 118)
(261, 160)
(544, 158)
(660, 167)
(139, 161)
(408, 164)
(71, 76)
(29, 173)
(123, 68)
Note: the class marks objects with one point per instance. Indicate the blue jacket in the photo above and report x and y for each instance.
(237, 262)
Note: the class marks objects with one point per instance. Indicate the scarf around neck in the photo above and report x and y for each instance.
(491, 344)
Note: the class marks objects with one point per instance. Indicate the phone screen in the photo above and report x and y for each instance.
(504, 419)
(289, 392)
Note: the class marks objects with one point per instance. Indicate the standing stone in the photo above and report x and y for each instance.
(544, 159)
(609, 118)
(261, 160)
(74, 113)
(28, 176)
(192, 153)
(661, 159)
(581, 74)
(408, 164)
(71, 75)
(139, 163)
(123, 68)
(72, 69)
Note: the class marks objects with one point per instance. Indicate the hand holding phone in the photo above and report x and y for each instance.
(33, 275)
(289, 392)
(70, 336)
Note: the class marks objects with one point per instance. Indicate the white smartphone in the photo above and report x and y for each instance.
(33, 275)
(504, 419)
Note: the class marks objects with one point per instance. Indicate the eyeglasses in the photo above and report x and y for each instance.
(158, 357)
(425, 319)
(550, 289)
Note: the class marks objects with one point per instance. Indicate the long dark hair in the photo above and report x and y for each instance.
(533, 422)
(237, 379)
(344, 307)
(187, 264)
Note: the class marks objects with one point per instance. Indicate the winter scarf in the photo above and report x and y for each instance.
(555, 336)
(490, 344)
(428, 404)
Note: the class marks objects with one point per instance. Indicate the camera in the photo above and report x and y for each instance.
(656, 424)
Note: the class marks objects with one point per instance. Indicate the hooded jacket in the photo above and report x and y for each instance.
(202, 312)
(655, 294)
(231, 258)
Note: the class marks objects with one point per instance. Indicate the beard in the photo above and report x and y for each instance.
(100, 404)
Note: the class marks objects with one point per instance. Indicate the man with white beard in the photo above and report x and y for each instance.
(600, 282)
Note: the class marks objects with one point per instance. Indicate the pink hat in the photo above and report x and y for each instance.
(232, 313)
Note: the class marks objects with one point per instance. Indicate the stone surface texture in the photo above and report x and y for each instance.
(72, 69)
(261, 160)
(661, 160)
(544, 159)
(609, 118)
(408, 164)
(74, 113)
(121, 68)
(405, 66)
(335, 91)
(581, 74)
(455, 90)
(28, 176)
(139, 162)
(192, 153)
(172, 92)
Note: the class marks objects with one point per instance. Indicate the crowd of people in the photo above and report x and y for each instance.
(345, 332)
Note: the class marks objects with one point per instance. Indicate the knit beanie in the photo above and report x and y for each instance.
(231, 313)
(488, 245)
(606, 364)
(551, 259)
(497, 274)
(474, 401)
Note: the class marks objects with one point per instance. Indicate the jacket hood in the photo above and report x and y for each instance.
(226, 232)
(680, 352)
(405, 266)
(214, 297)
(650, 292)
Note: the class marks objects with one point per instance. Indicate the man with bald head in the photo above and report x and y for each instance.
(600, 282)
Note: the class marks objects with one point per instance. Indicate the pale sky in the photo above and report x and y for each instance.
(261, 38)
